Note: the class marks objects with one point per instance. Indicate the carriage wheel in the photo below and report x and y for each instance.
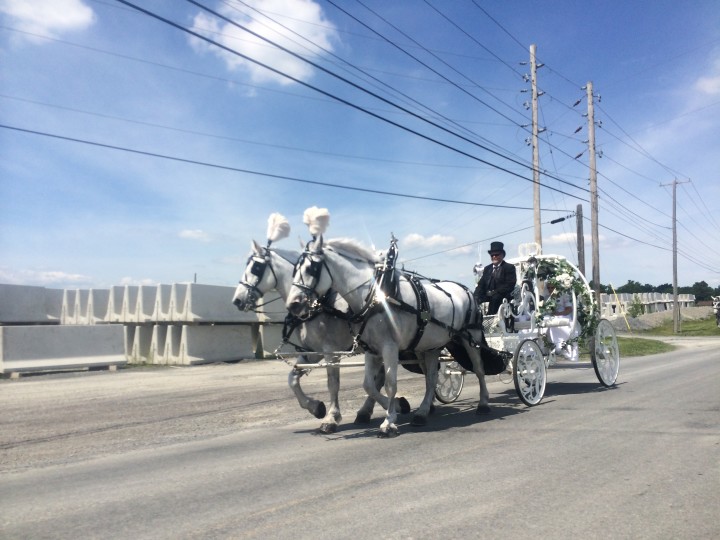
(529, 372)
(450, 382)
(605, 354)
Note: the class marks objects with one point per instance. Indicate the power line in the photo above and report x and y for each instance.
(266, 174)
(344, 101)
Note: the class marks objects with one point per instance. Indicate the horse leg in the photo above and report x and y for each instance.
(479, 370)
(429, 366)
(315, 407)
(333, 417)
(391, 360)
(365, 412)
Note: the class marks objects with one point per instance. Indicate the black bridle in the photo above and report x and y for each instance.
(257, 270)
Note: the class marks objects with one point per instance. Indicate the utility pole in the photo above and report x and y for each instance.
(593, 194)
(580, 239)
(676, 303)
(535, 152)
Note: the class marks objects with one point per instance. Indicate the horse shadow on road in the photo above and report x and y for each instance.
(460, 414)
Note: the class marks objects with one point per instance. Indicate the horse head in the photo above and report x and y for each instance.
(310, 283)
(259, 277)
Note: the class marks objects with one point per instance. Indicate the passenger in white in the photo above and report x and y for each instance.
(560, 335)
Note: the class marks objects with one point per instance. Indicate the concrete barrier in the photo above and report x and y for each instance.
(145, 304)
(138, 349)
(271, 338)
(26, 304)
(115, 304)
(156, 354)
(161, 311)
(97, 306)
(48, 348)
(190, 345)
(197, 303)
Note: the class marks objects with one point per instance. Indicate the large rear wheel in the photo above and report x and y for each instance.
(529, 372)
(605, 354)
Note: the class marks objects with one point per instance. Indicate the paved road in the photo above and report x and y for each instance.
(224, 451)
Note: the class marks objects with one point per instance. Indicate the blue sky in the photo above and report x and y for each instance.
(134, 152)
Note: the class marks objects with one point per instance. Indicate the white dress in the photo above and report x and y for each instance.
(559, 335)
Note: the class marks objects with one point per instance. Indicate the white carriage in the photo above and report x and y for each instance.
(525, 328)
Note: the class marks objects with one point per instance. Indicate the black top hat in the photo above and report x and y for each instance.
(497, 246)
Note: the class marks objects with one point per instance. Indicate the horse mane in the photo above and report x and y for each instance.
(352, 248)
(287, 254)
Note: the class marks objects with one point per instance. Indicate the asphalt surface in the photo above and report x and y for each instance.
(224, 451)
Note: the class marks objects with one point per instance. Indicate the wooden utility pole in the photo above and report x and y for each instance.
(676, 302)
(535, 152)
(593, 194)
(580, 239)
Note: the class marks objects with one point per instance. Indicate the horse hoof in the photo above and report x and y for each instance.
(404, 405)
(319, 410)
(389, 434)
(483, 409)
(419, 420)
(432, 408)
(328, 428)
(362, 418)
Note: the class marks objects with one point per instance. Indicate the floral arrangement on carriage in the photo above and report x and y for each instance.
(565, 279)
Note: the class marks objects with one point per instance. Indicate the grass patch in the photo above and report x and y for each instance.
(697, 328)
(632, 346)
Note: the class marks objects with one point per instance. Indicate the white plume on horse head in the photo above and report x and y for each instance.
(278, 227)
(317, 220)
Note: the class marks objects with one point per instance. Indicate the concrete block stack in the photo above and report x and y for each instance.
(181, 324)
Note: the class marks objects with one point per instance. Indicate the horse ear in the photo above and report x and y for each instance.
(257, 249)
(318, 243)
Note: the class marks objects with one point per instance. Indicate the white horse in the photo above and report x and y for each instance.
(419, 321)
(271, 269)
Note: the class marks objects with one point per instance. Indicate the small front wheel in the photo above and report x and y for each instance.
(529, 372)
(605, 354)
(451, 377)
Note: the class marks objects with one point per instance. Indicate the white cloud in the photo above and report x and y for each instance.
(436, 240)
(43, 278)
(708, 85)
(48, 17)
(194, 234)
(303, 17)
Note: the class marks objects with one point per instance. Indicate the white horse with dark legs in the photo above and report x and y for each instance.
(419, 317)
(271, 269)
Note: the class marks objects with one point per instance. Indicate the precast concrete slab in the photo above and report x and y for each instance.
(272, 308)
(115, 304)
(44, 348)
(199, 303)
(161, 311)
(26, 304)
(209, 343)
(97, 306)
(145, 304)
(129, 304)
(271, 337)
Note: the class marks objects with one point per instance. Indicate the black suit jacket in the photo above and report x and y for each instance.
(493, 287)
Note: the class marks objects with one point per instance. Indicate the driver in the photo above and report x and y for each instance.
(498, 280)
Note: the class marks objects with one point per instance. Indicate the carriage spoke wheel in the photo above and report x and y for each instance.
(529, 372)
(605, 354)
(450, 382)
